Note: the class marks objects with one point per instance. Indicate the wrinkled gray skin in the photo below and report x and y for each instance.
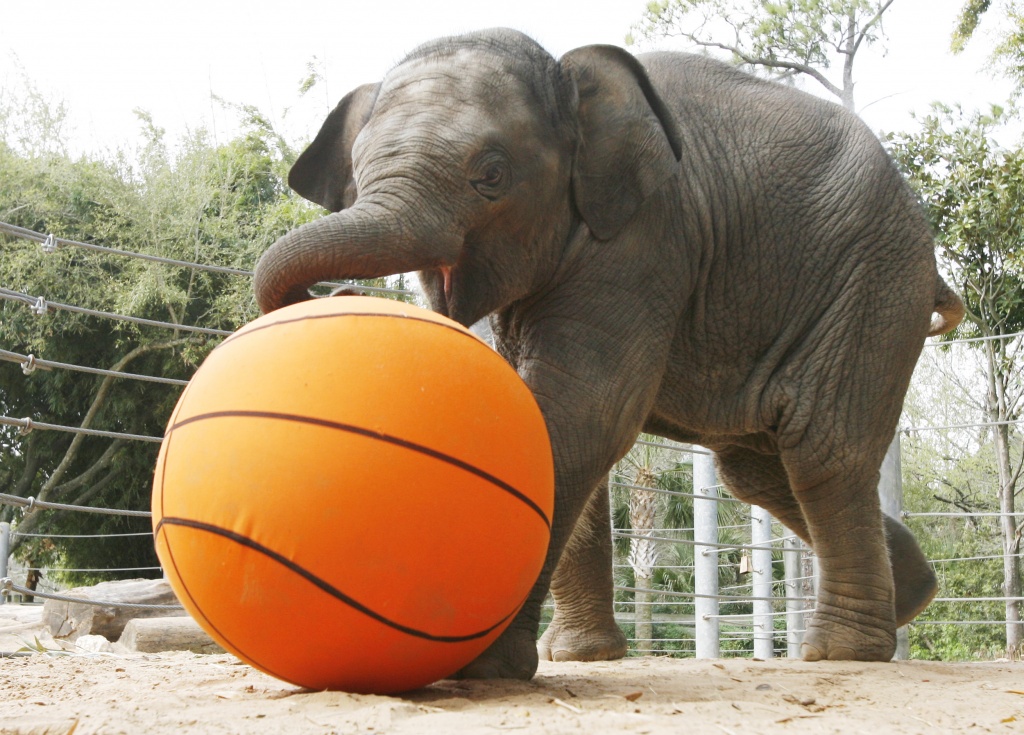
(668, 246)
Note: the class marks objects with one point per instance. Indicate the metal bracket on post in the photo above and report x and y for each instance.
(705, 556)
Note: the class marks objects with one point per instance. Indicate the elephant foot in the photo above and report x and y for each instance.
(562, 642)
(826, 639)
(512, 656)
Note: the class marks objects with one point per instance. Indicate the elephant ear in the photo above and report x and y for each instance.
(628, 141)
(323, 173)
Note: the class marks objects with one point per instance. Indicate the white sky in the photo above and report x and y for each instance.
(107, 57)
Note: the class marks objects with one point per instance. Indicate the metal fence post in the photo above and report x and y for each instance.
(5, 551)
(761, 561)
(890, 491)
(705, 556)
(791, 555)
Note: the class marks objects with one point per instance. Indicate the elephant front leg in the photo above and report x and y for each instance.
(595, 372)
(583, 627)
(514, 654)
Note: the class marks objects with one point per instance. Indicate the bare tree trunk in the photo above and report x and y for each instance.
(851, 52)
(997, 412)
(643, 555)
(21, 488)
(32, 580)
(1008, 532)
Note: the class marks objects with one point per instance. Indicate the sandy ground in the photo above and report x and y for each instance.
(184, 692)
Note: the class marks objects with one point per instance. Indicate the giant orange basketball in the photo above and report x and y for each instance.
(354, 493)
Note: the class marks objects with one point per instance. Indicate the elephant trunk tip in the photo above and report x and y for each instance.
(274, 291)
(268, 304)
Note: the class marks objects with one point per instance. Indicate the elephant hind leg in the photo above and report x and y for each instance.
(583, 627)
(762, 480)
(854, 618)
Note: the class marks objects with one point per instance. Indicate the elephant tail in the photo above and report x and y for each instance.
(949, 309)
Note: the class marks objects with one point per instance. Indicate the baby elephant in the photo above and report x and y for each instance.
(662, 244)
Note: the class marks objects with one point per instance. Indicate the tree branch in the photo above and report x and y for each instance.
(100, 464)
(95, 489)
(33, 458)
(867, 26)
(101, 395)
(30, 522)
(794, 66)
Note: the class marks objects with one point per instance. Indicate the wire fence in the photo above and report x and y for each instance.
(747, 585)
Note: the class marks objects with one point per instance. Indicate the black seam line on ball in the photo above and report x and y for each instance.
(382, 314)
(360, 431)
(188, 591)
(323, 585)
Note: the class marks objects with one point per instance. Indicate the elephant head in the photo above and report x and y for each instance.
(474, 162)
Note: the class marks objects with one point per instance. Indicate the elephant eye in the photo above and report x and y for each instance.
(491, 180)
(494, 174)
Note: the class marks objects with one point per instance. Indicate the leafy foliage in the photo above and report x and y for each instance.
(199, 201)
(1008, 50)
(973, 191)
(967, 23)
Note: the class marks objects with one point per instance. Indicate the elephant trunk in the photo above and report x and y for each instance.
(364, 241)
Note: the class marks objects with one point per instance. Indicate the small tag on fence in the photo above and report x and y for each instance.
(745, 567)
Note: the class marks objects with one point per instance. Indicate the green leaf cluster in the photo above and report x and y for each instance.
(967, 23)
(973, 192)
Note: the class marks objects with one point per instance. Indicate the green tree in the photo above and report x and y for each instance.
(974, 193)
(196, 201)
(967, 23)
(783, 38)
(954, 469)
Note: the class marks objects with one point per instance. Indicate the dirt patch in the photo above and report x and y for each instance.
(183, 692)
(121, 692)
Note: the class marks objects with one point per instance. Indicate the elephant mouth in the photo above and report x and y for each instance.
(446, 275)
(437, 286)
